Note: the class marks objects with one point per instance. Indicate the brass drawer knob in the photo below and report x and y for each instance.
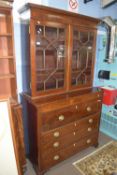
(99, 101)
(56, 134)
(89, 129)
(56, 144)
(75, 124)
(76, 107)
(74, 133)
(56, 157)
(98, 95)
(38, 22)
(61, 117)
(88, 108)
(90, 120)
(88, 141)
(74, 144)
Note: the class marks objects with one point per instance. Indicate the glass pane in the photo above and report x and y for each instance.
(84, 37)
(50, 57)
(51, 33)
(82, 57)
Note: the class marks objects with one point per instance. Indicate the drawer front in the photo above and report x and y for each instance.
(62, 103)
(61, 117)
(85, 125)
(67, 115)
(90, 107)
(83, 128)
(58, 156)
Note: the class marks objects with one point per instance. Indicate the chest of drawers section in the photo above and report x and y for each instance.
(61, 128)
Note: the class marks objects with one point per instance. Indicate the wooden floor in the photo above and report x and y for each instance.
(66, 167)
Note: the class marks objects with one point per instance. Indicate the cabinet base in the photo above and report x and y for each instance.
(37, 170)
(96, 145)
(41, 173)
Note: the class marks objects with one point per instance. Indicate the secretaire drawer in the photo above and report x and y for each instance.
(57, 118)
(76, 129)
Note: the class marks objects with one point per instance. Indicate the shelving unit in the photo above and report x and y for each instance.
(7, 60)
(8, 88)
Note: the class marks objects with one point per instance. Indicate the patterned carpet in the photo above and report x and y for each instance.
(101, 162)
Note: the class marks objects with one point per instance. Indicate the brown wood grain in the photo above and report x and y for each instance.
(69, 151)
(61, 121)
(19, 135)
(15, 111)
(78, 124)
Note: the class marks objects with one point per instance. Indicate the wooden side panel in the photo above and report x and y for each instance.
(32, 128)
(18, 134)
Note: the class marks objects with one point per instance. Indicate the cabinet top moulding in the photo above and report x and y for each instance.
(37, 10)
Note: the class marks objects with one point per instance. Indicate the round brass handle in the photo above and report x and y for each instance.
(88, 141)
(98, 95)
(90, 120)
(89, 129)
(56, 157)
(61, 117)
(38, 22)
(56, 134)
(56, 144)
(74, 133)
(74, 144)
(75, 124)
(88, 108)
(76, 107)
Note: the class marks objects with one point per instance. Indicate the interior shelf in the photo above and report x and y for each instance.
(6, 57)
(5, 35)
(7, 76)
(46, 70)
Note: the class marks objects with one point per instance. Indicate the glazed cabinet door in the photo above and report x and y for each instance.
(83, 57)
(49, 57)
